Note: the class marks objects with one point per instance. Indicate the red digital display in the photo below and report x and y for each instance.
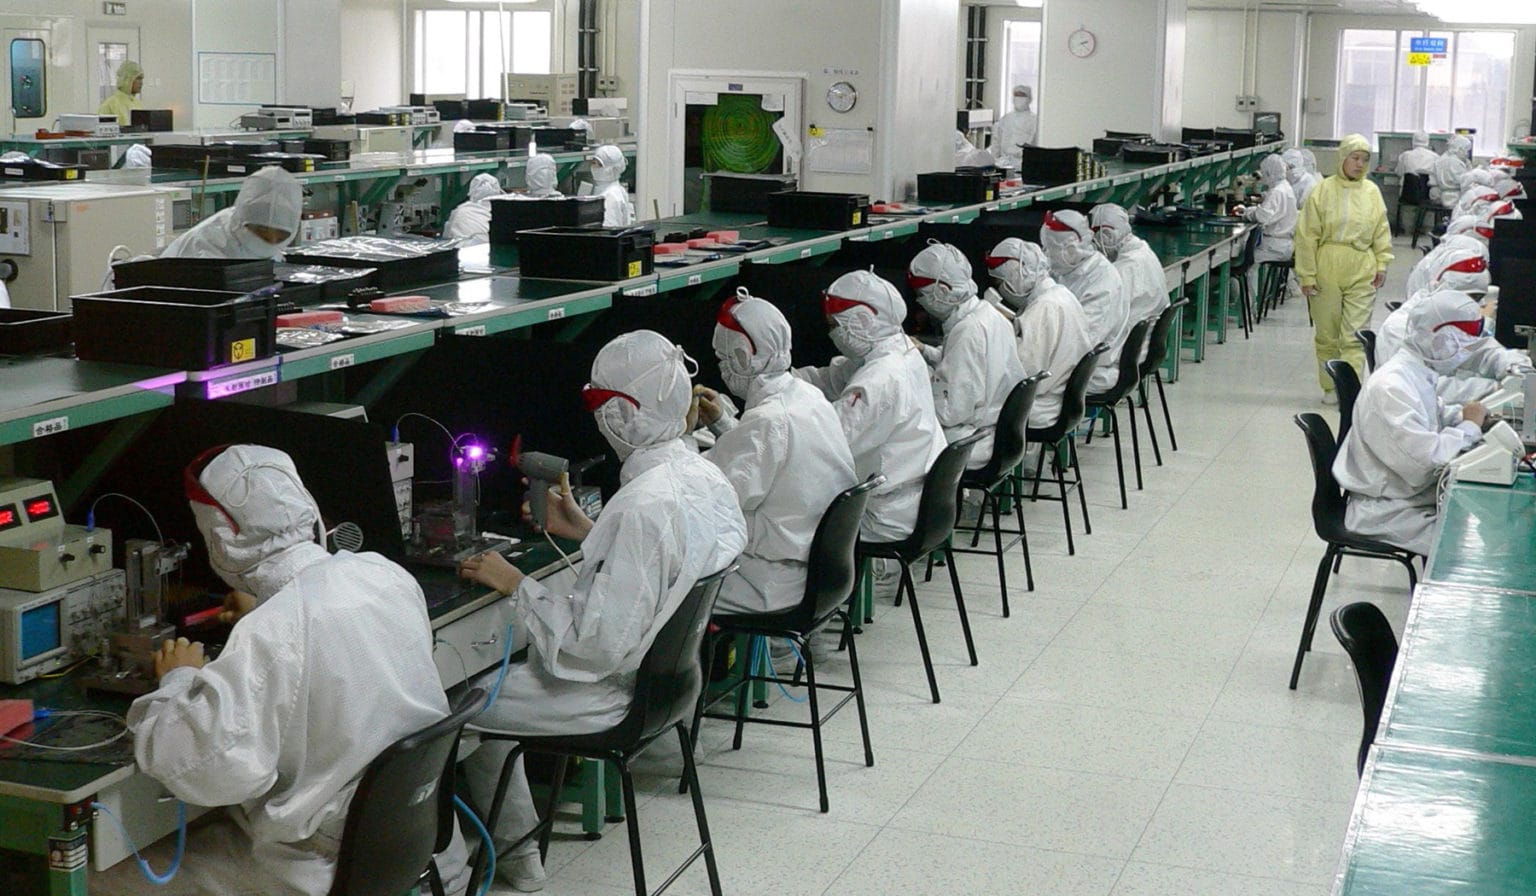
(39, 508)
(9, 518)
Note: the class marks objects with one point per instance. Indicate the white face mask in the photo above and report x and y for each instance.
(1061, 256)
(849, 344)
(249, 245)
(1021, 104)
(608, 424)
(737, 383)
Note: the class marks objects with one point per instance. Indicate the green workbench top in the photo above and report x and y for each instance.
(519, 302)
(40, 396)
(1433, 824)
(1487, 537)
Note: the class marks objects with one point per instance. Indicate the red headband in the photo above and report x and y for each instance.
(593, 397)
(831, 305)
(192, 484)
(1054, 223)
(1476, 264)
(727, 318)
(1470, 327)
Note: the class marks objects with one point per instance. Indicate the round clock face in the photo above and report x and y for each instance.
(842, 96)
(1082, 43)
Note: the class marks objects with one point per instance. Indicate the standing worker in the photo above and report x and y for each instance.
(1300, 176)
(1418, 160)
(1445, 182)
(1016, 129)
(122, 102)
(1343, 247)
(608, 164)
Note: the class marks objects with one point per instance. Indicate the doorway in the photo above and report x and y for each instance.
(109, 49)
(729, 121)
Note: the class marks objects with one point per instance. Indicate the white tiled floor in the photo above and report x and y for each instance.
(1128, 732)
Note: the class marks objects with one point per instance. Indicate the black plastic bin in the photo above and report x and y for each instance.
(958, 186)
(330, 150)
(547, 137)
(24, 331)
(1241, 138)
(228, 274)
(152, 119)
(1048, 166)
(808, 210)
(586, 253)
(508, 216)
(744, 193)
(1152, 153)
(182, 329)
(483, 110)
(491, 140)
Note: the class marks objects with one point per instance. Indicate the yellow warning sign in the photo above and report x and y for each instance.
(1419, 58)
(242, 350)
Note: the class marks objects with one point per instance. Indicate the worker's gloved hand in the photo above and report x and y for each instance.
(236, 605)
(1520, 369)
(562, 515)
(691, 422)
(707, 401)
(1473, 412)
(176, 654)
(492, 570)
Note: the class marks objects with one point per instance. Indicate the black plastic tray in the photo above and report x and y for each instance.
(24, 331)
(508, 216)
(230, 274)
(586, 253)
(808, 210)
(182, 329)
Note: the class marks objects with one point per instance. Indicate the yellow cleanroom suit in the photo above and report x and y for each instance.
(123, 101)
(1342, 242)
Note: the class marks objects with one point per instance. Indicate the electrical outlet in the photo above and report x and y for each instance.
(608, 84)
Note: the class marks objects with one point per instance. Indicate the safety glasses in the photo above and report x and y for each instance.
(919, 283)
(192, 484)
(1476, 264)
(593, 397)
(831, 305)
(993, 262)
(727, 319)
(1473, 328)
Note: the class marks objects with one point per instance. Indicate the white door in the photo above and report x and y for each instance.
(108, 49)
(778, 93)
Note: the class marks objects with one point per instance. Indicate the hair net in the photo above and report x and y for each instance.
(252, 510)
(1508, 187)
(137, 156)
(1351, 144)
(1420, 139)
(1463, 268)
(463, 125)
(1111, 227)
(1022, 96)
(940, 277)
(1438, 328)
(1272, 170)
(127, 73)
(541, 174)
(1310, 160)
(752, 339)
(1067, 239)
(1017, 267)
(655, 389)
(270, 197)
(1469, 225)
(865, 309)
(1459, 146)
(1503, 208)
(1295, 165)
(1476, 177)
(608, 164)
(484, 186)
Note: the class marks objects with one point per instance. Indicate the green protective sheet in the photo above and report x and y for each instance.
(1488, 537)
(736, 134)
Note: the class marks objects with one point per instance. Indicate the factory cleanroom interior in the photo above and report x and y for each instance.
(779, 448)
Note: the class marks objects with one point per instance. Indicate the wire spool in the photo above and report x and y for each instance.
(736, 134)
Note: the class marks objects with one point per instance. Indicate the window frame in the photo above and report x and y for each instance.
(477, 16)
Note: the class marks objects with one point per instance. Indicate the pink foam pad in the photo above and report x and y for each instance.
(704, 243)
(725, 237)
(400, 304)
(669, 248)
(14, 714)
(308, 318)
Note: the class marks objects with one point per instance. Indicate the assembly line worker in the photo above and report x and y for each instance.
(263, 220)
(330, 665)
(608, 165)
(880, 390)
(674, 520)
(1016, 129)
(1468, 225)
(1464, 269)
(1403, 434)
(978, 363)
(541, 176)
(122, 102)
(1300, 177)
(1418, 160)
(1343, 247)
(1077, 264)
(1051, 330)
(785, 454)
(1445, 183)
(471, 220)
(1141, 273)
(1276, 216)
(1422, 277)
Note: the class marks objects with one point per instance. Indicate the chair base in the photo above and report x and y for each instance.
(1326, 567)
(1063, 485)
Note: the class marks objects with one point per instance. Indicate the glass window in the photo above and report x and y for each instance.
(1481, 65)
(440, 38)
(531, 40)
(1366, 81)
(459, 51)
(1021, 62)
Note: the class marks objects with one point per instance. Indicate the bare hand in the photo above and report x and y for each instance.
(236, 605)
(707, 401)
(562, 515)
(1309, 291)
(691, 421)
(1380, 280)
(492, 570)
(176, 654)
(1473, 412)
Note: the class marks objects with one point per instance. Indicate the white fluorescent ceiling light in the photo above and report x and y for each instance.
(1491, 12)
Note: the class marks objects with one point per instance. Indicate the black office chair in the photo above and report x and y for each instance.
(1152, 367)
(1074, 402)
(935, 523)
(1393, 306)
(402, 811)
(831, 572)
(1415, 192)
(1109, 400)
(667, 688)
(1368, 639)
(1328, 521)
(999, 479)
(1367, 340)
(1239, 272)
(1274, 281)
(1346, 385)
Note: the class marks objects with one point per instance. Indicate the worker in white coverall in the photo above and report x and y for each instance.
(1051, 331)
(1018, 128)
(1418, 160)
(1403, 434)
(471, 220)
(1077, 264)
(1141, 273)
(1445, 181)
(674, 520)
(261, 223)
(608, 165)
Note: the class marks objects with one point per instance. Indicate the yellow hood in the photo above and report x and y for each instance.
(126, 73)
(1351, 144)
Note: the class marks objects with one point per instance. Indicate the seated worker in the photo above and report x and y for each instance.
(1462, 246)
(1276, 216)
(331, 665)
(472, 218)
(608, 165)
(1403, 434)
(1418, 160)
(1051, 330)
(1077, 264)
(122, 102)
(674, 520)
(1445, 180)
(786, 454)
(1140, 271)
(879, 388)
(1299, 174)
(541, 176)
(1469, 225)
(264, 218)
(1463, 268)
(978, 364)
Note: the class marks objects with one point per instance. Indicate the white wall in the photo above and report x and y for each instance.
(373, 51)
(916, 120)
(310, 64)
(1228, 54)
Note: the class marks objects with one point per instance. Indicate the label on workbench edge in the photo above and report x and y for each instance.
(470, 331)
(340, 361)
(50, 426)
(66, 854)
(235, 386)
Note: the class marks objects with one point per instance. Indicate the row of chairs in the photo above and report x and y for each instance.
(1272, 283)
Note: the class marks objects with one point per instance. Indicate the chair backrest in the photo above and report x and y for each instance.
(1157, 340)
(1074, 399)
(1368, 639)
(1130, 366)
(1250, 246)
(832, 566)
(1367, 340)
(1008, 442)
(1415, 190)
(402, 810)
(1346, 385)
(1327, 496)
(940, 500)
(669, 680)
(1393, 306)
